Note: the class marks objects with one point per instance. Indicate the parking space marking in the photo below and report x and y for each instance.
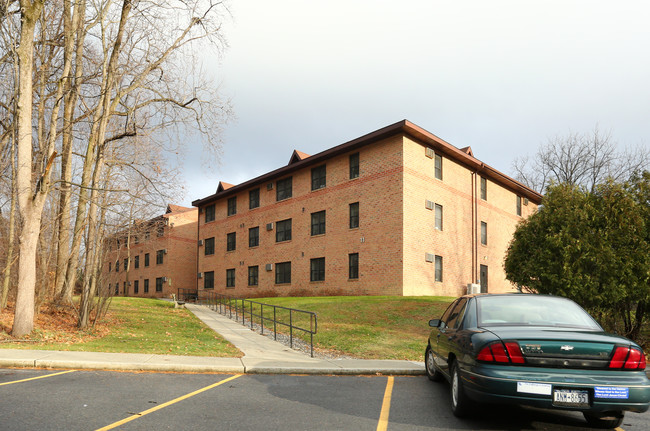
(385, 406)
(39, 377)
(168, 403)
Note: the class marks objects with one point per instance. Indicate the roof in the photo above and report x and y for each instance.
(171, 208)
(301, 160)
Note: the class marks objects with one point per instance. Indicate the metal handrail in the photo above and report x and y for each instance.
(226, 305)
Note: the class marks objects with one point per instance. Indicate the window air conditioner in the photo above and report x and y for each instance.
(269, 267)
(269, 226)
(200, 275)
(269, 186)
(429, 204)
(200, 242)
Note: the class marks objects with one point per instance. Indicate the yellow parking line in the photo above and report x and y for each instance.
(385, 406)
(39, 377)
(168, 403)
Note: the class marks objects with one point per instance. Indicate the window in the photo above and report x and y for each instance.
(230, 277)
(208, 280)
(317, 272)
(254, 199)
(254, 236)
(232, 205)
(354, 165)
(353, 265)
(283, 230)
(519, 205)
(483, 233)
(110, 266)
(146, 259)
(126, 264)
(318, 223)
(117, 288)
(318, 178)
(159, 284)
(483, 188)
(438, 265)
(438, 167)
(124, 288)
(283, 273)
(136, 286)
(231, 241)
(208, 246)
(354, 215)
(253, 275)
(209, 213)
(146, 285)
(117, 266)
(438, 217)
(160, 256)
(136, 263)
(283, 189)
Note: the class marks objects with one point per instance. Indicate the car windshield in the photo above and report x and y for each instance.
(532, 310)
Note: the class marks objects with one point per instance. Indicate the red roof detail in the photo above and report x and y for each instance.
(223, 186)
(467, 150)
(297, 156)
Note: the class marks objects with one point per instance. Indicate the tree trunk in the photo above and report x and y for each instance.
(30, 204)
(71, 92)
(12, 227)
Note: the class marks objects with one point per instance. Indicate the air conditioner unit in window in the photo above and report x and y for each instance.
(525, 201)
(269, 186)
(429, 204)
(165, 251)
(430, 153)
(269, 226)
(269, 267)
(429, 257)
(164, 279)
(200, 275)
(200, 242)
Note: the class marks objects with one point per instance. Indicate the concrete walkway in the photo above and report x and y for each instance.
(261, 355)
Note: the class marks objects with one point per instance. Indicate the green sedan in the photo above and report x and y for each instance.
(535, 350)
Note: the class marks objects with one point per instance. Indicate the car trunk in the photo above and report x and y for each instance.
(562, 347)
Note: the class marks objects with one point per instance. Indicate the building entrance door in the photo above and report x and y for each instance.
(484, 278)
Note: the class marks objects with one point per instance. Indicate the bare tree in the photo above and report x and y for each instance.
(580, 159)
(104, 77)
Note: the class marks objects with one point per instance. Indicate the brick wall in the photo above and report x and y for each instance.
(178, 268)
(377, 239)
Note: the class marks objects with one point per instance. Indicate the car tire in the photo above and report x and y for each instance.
(430, 366)
(604, 419)
(460, 403)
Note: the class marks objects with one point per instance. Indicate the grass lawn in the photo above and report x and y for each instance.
(134, 325)
(370, 327)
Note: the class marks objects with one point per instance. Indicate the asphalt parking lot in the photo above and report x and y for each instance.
(93, 400)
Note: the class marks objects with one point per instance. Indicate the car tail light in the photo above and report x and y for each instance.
(497, 352)
(627, 358)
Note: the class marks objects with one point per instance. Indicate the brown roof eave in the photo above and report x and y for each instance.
(313, 160)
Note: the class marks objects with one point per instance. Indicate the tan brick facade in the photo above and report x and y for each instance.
(397, 242)
(170, 238)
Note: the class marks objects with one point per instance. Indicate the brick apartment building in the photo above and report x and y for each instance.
(153, 258)
(396, 212)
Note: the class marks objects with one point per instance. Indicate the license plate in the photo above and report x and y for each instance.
(570, 398)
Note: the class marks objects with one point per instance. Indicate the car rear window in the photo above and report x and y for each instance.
(532, 310)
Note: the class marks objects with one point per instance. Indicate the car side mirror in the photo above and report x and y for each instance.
(434, 323)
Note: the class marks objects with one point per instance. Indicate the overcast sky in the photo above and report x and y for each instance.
(500, 76)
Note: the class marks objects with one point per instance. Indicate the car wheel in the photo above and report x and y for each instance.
(604, 419)
(460, 404)
(430, 365)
